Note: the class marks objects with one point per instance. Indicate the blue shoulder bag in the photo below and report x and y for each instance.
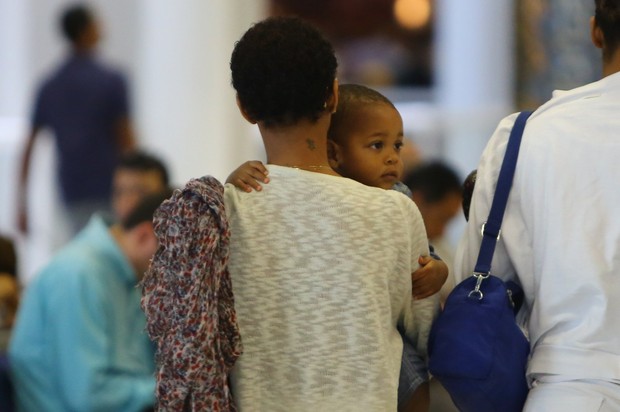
(476, 349)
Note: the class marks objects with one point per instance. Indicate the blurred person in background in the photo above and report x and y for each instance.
(85, 104)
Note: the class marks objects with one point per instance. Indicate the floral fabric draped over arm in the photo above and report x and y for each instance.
(188, 301)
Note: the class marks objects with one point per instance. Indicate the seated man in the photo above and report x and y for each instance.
(79, 342)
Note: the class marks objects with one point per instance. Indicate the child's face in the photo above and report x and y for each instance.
(369, 151)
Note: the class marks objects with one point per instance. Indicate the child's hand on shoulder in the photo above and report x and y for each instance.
(429, 278)
(249, 175)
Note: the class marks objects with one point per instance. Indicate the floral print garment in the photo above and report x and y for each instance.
(188, 301)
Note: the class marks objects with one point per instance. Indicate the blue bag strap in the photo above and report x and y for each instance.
(491, 229)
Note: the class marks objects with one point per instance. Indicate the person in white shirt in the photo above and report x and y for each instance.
(561, 234)
(320, 265)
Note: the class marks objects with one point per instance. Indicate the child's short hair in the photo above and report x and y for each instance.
(350, 98)
(283, 70)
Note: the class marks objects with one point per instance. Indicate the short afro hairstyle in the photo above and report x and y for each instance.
(352, 97)
(74, 21)
(283, 70)
(607, 15)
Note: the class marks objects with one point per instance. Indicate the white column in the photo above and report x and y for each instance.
(474, 66)
(13, 69)
(13, 57)
(475, 72)
(185, 104)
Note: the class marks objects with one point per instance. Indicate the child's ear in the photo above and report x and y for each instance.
(334, 155)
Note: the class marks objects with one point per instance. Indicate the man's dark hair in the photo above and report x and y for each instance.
(607, 15)
(144, 162)
(74, 21)
(145, 209)
(434, 180)
(350, 98)
(283, 70)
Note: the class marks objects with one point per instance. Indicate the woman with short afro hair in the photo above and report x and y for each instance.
(320, 265)
(260, 60)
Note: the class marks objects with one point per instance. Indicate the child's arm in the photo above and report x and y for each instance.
(429, 278)
(249, 175)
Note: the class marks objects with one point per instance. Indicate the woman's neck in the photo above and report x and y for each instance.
(302, 145)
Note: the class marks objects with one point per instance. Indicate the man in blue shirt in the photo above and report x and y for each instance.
(79, 342)
(85, 105)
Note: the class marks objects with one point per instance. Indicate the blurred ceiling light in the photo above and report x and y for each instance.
(412, 14)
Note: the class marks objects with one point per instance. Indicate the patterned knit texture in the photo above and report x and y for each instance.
(321, 269)
(188, 301)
